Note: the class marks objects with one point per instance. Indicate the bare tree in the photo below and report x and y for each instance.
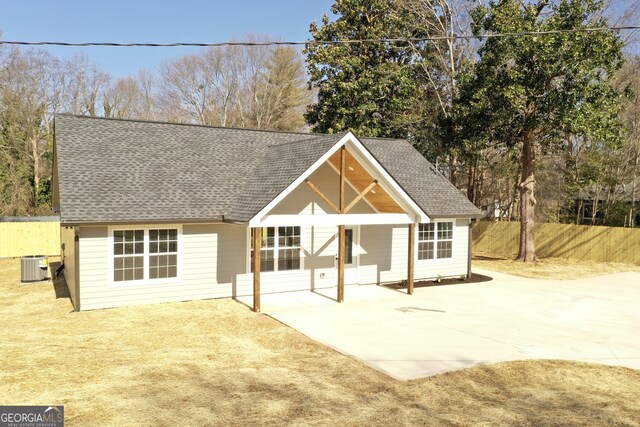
(132, 97)
(85, 84)
(629, 78)
(30, 96)
(199, 88)
(282, 94)
(258, 86)
(442, 60)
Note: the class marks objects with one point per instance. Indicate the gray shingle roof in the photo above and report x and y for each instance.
(434, 193)
(122, 170)
(281, 165)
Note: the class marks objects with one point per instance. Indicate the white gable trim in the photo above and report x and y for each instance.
(359, 151)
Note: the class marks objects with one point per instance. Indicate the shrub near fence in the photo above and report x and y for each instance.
(581, 242)
(29, 236)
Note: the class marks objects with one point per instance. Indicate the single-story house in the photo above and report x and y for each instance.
(156, 212)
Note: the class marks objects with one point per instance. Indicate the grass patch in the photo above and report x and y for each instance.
(552, 268)
(216, 363)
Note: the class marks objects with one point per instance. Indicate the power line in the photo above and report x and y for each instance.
(328, 42)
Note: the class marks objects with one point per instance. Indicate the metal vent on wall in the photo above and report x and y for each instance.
(34, 268)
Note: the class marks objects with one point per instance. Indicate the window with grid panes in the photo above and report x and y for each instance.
(279, 249)
(128, 255)
(145, 254)
(163, 253)
(288, 248)
(444, 243)
(435, 240)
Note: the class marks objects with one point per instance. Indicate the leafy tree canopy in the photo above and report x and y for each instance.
(549, 85)
(532, 93)
(370, 88)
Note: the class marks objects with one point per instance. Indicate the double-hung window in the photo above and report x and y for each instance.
(128, 255)
(435, 240)
(279, 249)
(163, 253)
(145, 254)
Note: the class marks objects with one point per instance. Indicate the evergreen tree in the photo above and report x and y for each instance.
(529, 93)
(373, 89)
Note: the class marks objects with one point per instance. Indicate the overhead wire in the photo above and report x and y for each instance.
(324, 42)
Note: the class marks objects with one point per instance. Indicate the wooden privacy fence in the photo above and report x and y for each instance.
(29, 236)
(582, 242)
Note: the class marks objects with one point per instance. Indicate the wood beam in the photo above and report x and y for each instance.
(342, 166)
(322, 195)
(257, 241)
(332, 220)
(412, 234)
(341, 256)
(341, 232)
(360, 196)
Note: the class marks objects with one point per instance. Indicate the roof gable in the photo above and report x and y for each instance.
(280, 167)
(361, 157)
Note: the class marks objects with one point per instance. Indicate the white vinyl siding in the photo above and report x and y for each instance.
(317, 265)
(212, 257)
(216, 264)
(384, 252)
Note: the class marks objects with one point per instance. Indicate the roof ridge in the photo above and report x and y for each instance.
(384, 138)
(314, 137)
(113, 119)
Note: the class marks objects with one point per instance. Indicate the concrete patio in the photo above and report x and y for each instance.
(444, 328)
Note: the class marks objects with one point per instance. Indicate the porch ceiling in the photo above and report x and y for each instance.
(357, 175)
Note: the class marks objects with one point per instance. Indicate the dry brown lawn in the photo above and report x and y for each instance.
(552, 268)
(217, 363)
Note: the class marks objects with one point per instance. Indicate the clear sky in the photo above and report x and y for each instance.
(160, 21)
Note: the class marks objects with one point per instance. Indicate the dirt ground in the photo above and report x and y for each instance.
(216, 363)
(551, 268)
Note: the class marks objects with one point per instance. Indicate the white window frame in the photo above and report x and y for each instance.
(146, 280)
(275, 249)
(435, 241)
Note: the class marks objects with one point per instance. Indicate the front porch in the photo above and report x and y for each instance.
(344, 190)
(332, 258)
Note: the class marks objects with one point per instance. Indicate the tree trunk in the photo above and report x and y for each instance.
(471, 185)
(453, 163)
(580, 213)
(527, 201)
(594, 207)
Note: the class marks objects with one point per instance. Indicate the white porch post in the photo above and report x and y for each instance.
(257, 241)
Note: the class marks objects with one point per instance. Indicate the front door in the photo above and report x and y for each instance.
(351, 255)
